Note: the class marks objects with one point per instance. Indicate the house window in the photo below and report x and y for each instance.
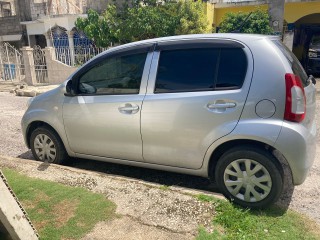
(6, 9)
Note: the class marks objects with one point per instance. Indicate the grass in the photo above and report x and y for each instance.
(58, 211)
(164, 187)
(233, 222)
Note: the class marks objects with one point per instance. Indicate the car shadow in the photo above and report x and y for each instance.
(190, 182)
(145, 174)
(182, 180)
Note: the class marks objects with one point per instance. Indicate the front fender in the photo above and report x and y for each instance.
(47, 108)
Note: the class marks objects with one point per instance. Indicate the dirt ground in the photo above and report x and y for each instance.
(147, 206)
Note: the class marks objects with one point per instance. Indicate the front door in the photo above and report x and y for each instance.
(103, 119)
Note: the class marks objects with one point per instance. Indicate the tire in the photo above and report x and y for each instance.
(249, 176)
(46, 146)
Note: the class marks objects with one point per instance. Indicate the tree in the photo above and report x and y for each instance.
(144, 19)
(192, 19)
(258, 22)
(96, 28)
(144, 22)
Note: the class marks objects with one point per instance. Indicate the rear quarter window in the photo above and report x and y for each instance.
(296, 66)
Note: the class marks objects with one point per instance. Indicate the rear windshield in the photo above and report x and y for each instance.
(296, 66)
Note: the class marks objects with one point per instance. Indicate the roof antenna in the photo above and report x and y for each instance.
(242, 24)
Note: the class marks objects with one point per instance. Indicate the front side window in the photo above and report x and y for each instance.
(114, 75)
(201, 69)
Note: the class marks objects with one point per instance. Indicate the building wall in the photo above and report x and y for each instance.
(219, 13)
(296, 10)
(12, 6)
(293, 11)
(10, 26)
(209, 11)
(41, 8)
(100, 5)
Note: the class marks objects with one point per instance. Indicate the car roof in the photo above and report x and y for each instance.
(231, 36)
(240, 37)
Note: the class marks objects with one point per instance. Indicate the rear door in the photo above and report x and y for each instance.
(195, 95)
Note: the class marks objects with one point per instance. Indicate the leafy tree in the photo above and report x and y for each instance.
(258, 22)
(192, 19)
(145, 22)
(144, 19)
(96, 28)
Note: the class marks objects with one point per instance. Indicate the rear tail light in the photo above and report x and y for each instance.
(295, 110)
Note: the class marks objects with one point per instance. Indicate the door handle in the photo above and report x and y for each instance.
(129, 108)
(221, 105)
(133, 108)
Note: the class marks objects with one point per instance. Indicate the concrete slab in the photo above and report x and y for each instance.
(12, 216)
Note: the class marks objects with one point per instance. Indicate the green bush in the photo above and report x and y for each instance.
(258, 22)
(144, 20)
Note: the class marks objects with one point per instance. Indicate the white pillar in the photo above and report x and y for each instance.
(30, 72)
(29, 40)
(71, 46)
(48, 39)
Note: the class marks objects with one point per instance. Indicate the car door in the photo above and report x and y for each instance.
(103, 118)
(196, 92)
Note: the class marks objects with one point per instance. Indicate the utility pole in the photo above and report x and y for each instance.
(276, 13)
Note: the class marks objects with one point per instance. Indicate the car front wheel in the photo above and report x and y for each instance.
(46, 146)
(249, 176)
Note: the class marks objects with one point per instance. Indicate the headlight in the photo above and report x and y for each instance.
(30, 101)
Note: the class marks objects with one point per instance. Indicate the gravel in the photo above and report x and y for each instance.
(11, 110)
(137, 191)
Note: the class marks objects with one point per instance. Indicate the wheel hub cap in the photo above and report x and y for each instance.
(45, 148)
(247, 180)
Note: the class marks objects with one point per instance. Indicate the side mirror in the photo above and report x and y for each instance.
(69, 90)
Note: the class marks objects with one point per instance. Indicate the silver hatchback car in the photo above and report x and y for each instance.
(223, 106)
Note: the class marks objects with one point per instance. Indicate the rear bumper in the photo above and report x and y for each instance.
(298, 146)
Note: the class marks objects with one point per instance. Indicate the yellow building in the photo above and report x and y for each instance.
(301, 19)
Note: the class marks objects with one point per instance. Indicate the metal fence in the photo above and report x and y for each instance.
(11, 63)
(78, 55)
(40, 65)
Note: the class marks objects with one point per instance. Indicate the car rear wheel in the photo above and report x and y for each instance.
(249, 176)
(46, 146)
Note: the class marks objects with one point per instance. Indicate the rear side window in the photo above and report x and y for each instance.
(200, 69)
(232, 68)
(296, 66)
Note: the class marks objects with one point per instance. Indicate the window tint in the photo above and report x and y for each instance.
(202, 69)
(186, 70)
(114, 75)
(296, 66)
(232, 68)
